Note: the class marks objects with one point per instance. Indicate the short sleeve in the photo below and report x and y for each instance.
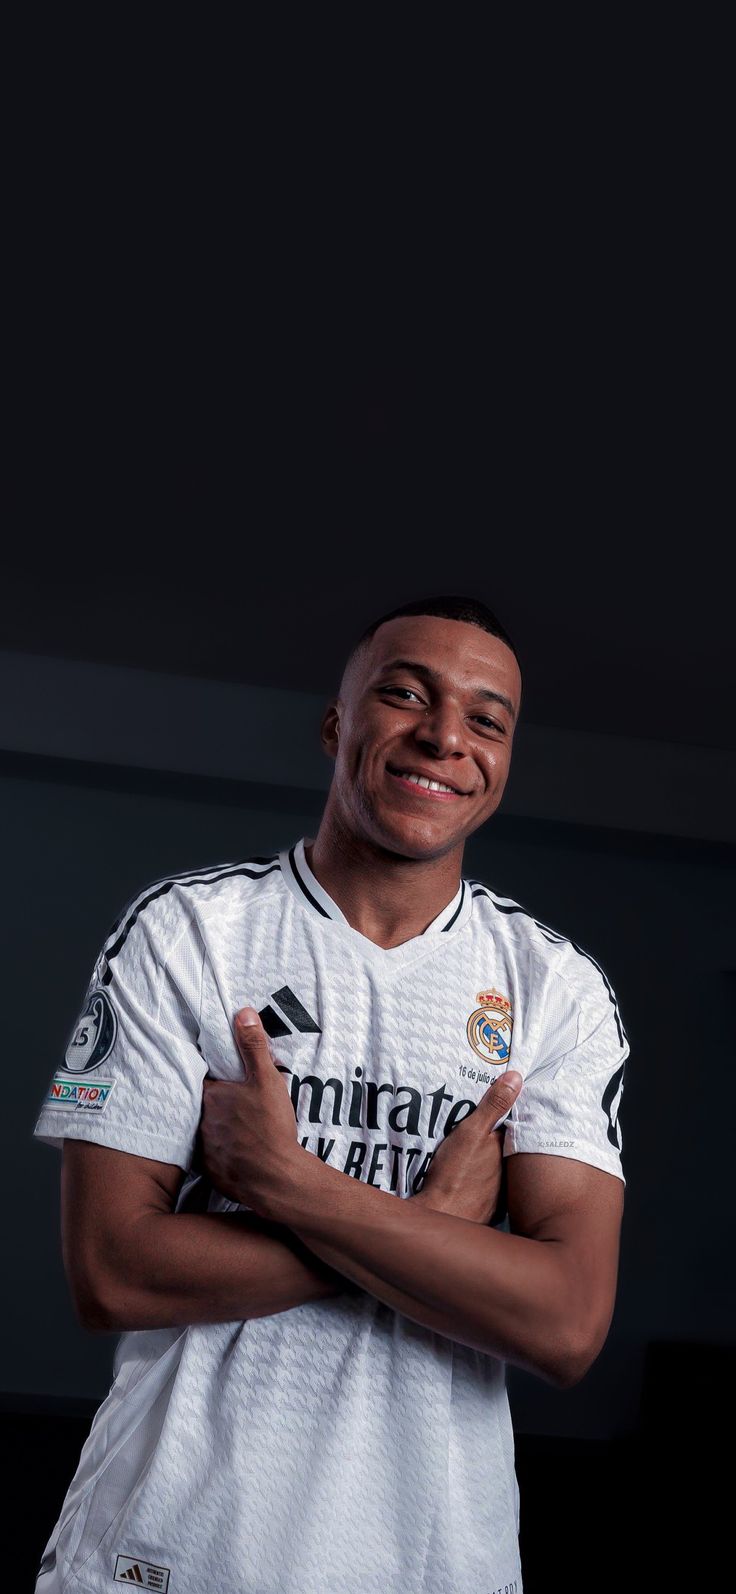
(131, 1075)
(570, 1100)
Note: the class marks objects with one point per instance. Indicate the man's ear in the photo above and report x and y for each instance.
(330, 727)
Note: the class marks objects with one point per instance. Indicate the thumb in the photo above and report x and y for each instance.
(502, 1093)
(252, 1039)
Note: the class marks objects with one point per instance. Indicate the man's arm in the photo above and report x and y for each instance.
(540, 1299)
(132, 1262)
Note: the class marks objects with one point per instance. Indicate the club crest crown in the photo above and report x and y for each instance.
(493, 998)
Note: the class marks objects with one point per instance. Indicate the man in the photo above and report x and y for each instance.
(309, 1391)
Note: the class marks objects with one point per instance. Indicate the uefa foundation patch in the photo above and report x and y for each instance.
(75, 1095)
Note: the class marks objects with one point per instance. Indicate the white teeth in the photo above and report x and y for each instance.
(421, 780)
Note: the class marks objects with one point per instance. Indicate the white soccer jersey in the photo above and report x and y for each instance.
(336, 1445)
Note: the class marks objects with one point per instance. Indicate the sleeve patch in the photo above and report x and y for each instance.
(94, 1035)
(75, 1095)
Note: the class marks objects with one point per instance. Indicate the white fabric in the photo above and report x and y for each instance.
(338, 1444)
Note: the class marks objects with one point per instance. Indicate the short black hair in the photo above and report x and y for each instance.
(452, 607)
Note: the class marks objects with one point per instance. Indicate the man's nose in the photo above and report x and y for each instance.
(441, 727)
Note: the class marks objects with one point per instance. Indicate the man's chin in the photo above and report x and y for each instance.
(414, 839)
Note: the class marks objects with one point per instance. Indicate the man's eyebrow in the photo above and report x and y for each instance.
(431, 675)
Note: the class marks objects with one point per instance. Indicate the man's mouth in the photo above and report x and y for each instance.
(424, 785)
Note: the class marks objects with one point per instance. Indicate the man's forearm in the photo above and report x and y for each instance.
(211, 1267)
(496, 1292)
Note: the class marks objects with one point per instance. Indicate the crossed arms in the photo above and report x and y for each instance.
(541, 1297)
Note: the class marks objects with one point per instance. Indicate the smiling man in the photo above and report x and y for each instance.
(309, 1390)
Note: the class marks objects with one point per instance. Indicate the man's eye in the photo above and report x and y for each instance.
(409, 692)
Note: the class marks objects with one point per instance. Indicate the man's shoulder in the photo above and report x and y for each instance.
(528, 932)
(168, 908)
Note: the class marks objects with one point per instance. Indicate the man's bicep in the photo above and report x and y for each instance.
(579, 1208)
(104, 1192)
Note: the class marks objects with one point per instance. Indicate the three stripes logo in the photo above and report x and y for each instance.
(141, 1574)
(292, 1009)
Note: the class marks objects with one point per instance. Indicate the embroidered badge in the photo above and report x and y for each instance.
(490, 1027)
(144, 1574)
(76, 1095)
(94, 1036)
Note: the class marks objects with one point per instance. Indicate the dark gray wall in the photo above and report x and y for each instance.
(656, 913)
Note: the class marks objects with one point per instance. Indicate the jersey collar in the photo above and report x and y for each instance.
(305, 886)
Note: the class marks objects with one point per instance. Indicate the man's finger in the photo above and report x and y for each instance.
(252, 1039)
(501, 1094)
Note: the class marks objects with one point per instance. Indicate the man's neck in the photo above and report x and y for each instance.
(385, 897)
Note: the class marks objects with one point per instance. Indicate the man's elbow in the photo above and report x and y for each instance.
(93, 1307)
(91, 1316)
(571, 1371)
(582, 1351)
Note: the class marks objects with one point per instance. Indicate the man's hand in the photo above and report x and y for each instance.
(248, 1128)
(464, 1176)
(249, 1138)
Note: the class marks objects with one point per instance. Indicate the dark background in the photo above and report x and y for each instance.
(227, 452)
(616, 828)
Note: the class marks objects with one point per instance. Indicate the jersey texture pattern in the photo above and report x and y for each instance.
(337, 1444)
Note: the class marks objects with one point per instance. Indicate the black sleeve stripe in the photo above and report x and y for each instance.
(201, 877)
(556, 937)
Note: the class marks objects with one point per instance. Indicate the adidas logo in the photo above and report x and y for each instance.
(141, 1574)
(293, 1010)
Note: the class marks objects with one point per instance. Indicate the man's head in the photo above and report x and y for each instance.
(432, 688)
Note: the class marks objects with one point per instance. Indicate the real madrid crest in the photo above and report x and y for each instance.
(490, 1027)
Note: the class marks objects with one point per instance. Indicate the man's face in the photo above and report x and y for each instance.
(422, 699)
